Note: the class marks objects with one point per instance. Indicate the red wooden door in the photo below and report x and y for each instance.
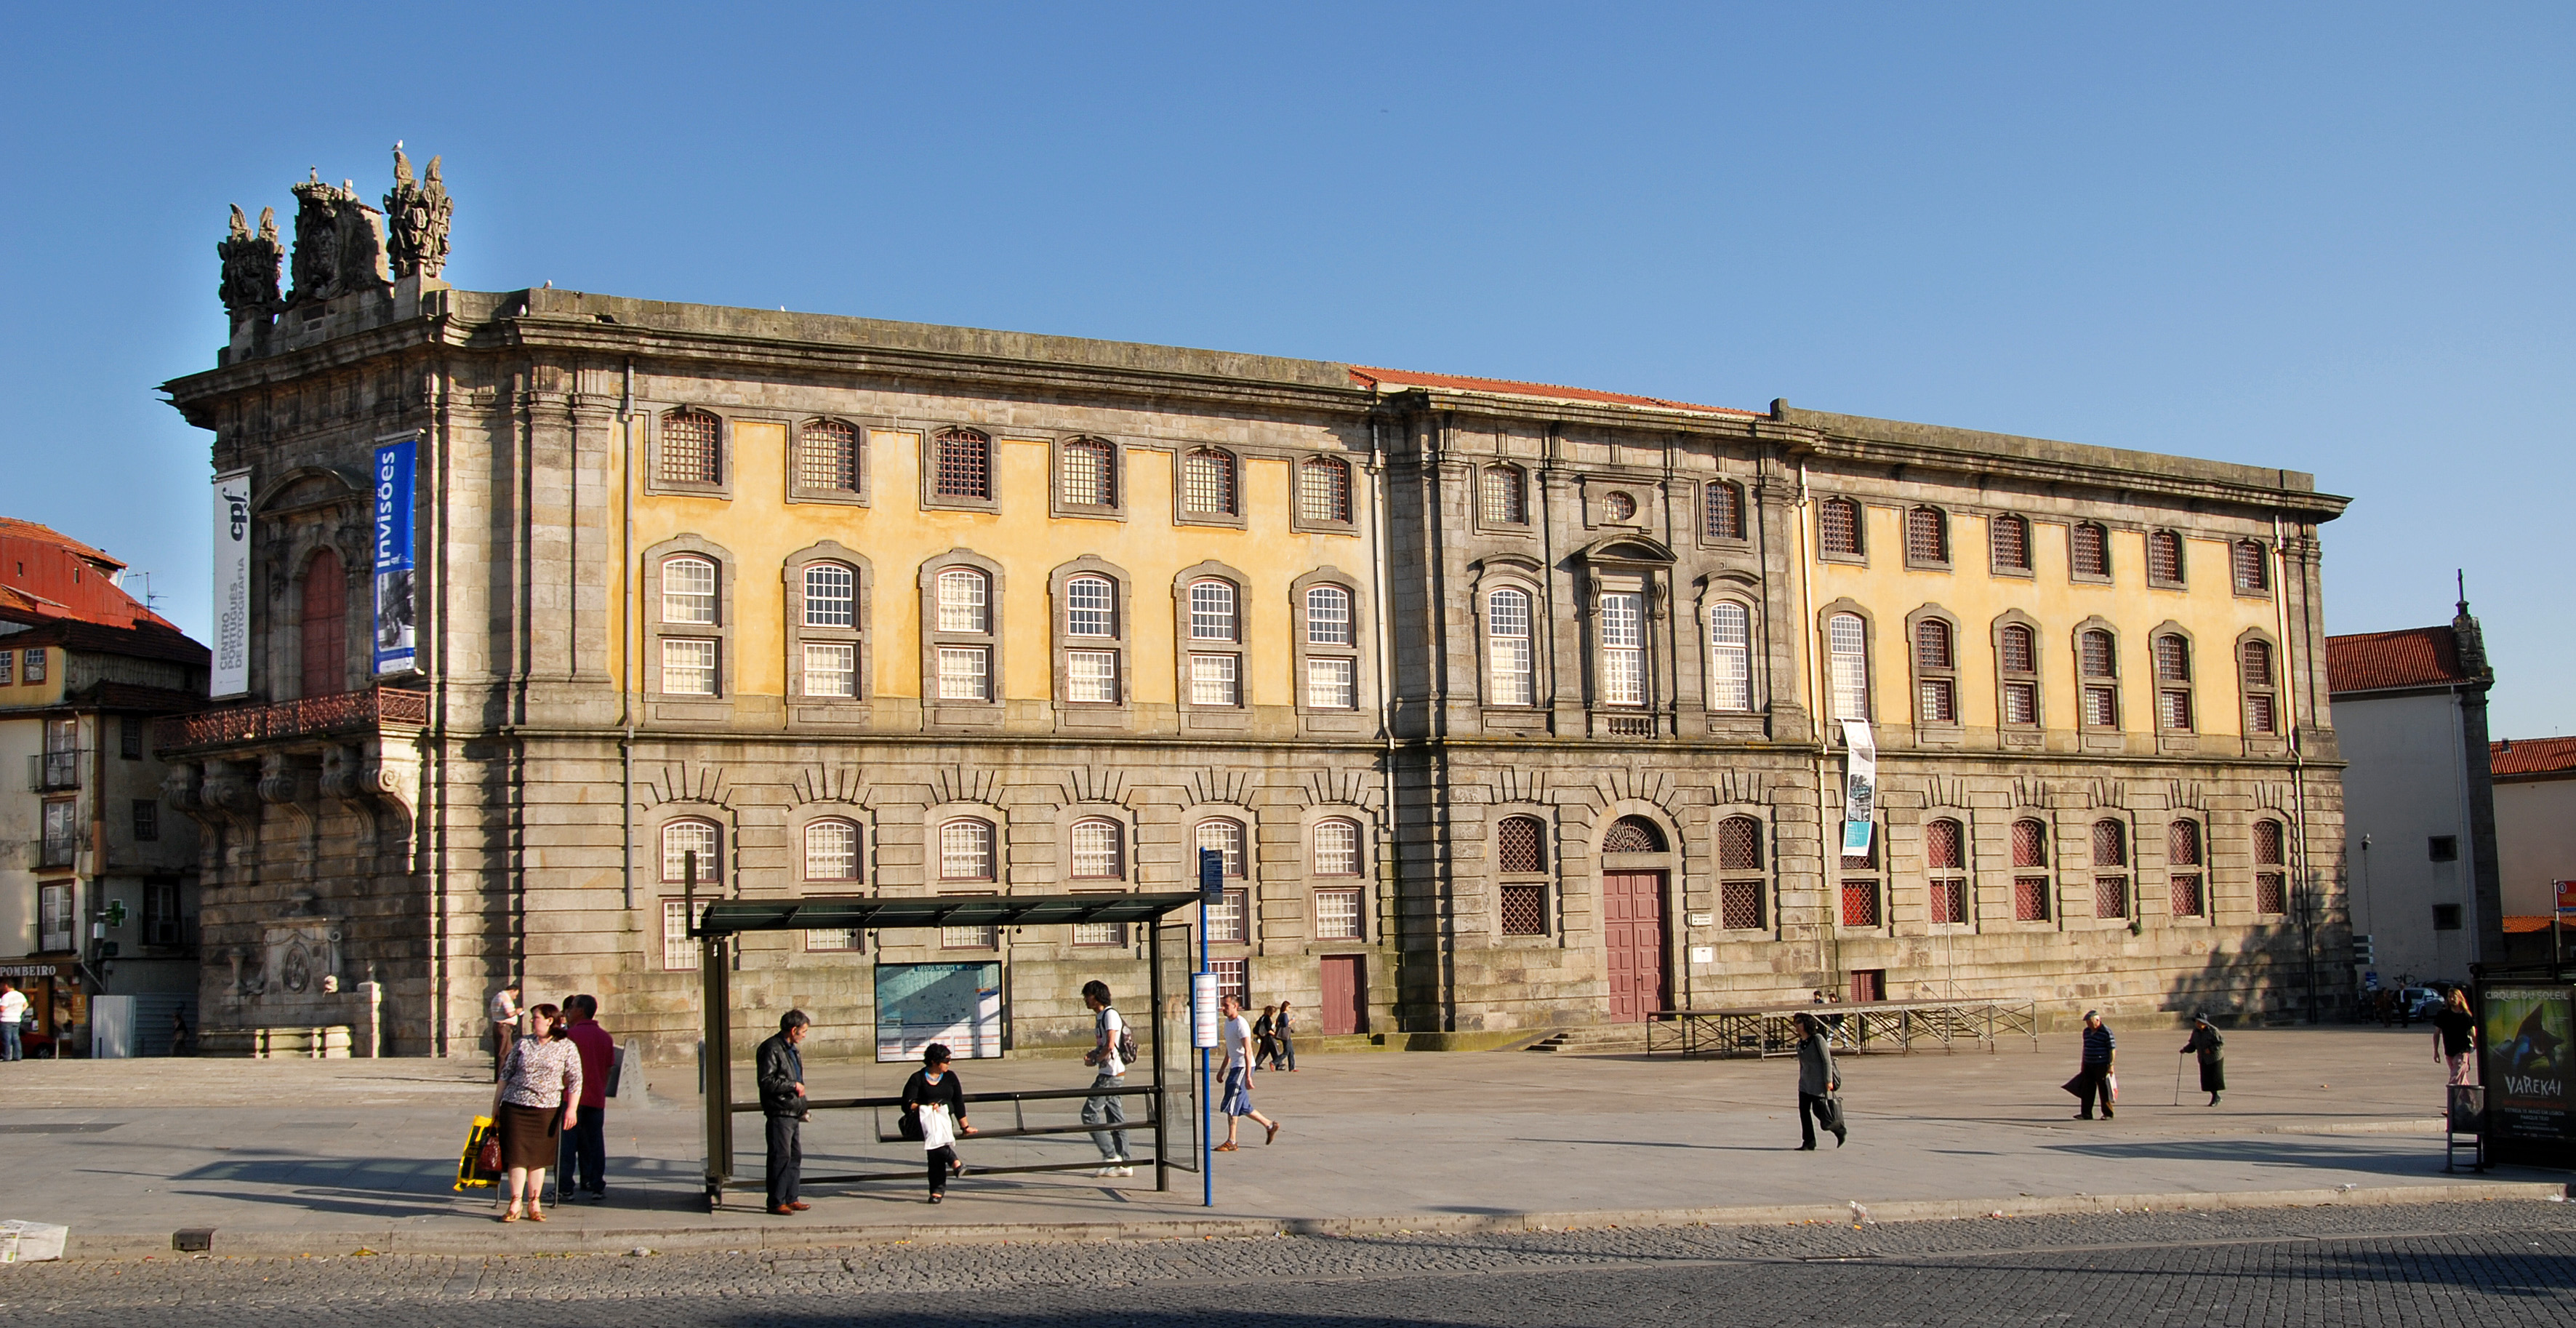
(1345, 1004)
(325, 619)
(1632, 921)
(1869, 984)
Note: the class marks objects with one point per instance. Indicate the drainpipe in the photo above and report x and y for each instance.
(1829, 845)
(1378, 537)
(626, 669)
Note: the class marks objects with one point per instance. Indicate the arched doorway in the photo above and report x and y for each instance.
(1636, 863)
(323, 614)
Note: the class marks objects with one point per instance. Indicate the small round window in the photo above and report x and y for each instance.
(1621, 507)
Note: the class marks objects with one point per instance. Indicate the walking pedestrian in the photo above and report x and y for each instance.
(780, 1069)
(13, 1013)
(934, 1109)
(2092, 1079)
(1817, 1078)
(1282, 1037)
(2213, 1056)
(1237, 1100)
(2455, 1035)
(1265, 1050)
(585, 1143)
(1107, 1058)
(506, 1015)
(538, 1100)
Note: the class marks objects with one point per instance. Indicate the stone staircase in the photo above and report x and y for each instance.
(1596, 1040)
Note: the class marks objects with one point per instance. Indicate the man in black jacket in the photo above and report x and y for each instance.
(782, 1103)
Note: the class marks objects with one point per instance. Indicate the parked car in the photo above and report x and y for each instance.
(2421, 1002)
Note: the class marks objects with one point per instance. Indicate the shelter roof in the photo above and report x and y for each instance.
(2392, 661)
(739, 915)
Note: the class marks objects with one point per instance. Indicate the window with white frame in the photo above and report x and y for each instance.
(1847, 641)
(1623, 648)
(1730, 657)
(1329, 645)
(682, 838)
(1328, 616)
(831, 595)
(831, 850)
(1215, 678)
(1090, 607)
(1333, 683)
(688, 591)
(1337, 847)
(965, 601)
(965, 673)
(1510, 679)
(1091, 677)
(824, 616)
(1098, 854)
(1223, 835)
(964, 608)
(966, 849)
(831, 669)
(679, 949)
(1212, 611)
(688, 666)
(1229, 919)
(1337, 915)
(1091, 625)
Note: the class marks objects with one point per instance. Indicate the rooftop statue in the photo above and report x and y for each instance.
(416, 219)
(339, 243)
(249, 287)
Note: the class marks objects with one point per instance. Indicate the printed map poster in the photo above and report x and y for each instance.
(2526, 1032)
(230, 675)
(958, 1004)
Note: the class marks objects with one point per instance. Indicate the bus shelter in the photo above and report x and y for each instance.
(720, 924)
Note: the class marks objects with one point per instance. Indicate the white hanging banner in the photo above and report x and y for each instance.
(231, 673)
(1860, 786)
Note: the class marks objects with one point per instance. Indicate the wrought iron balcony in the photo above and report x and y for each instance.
(347, 712)
(53, 772)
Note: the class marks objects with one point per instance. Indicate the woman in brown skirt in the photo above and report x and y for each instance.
(539, 1096)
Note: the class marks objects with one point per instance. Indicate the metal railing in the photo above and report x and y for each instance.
(367, 708)
(1852, 1026)
(53, 772)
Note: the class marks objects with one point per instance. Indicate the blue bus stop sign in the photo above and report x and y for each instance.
(1212, 876)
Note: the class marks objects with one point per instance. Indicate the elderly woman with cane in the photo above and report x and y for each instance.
(2213, 1063)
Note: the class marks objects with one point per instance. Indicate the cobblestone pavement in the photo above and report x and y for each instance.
(2497, 1262)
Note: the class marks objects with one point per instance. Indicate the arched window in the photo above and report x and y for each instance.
(1838, 527)
(1739, 852)
(691, 835)
(1847, 638)
(2088, 548)
(966, 849)
(1097, 850)
(827, 457)
(1207, 483)
(2271, 875)
(1722, 510)
(1215, 677)
(1730, 657)
(323, 627)
(831, 850)
(1328, 616)
(2008, 540)
(1633, 834)
(1945, 861)
(1337, 847)
(963, 465)
(691, 632)
(831, 595)
(690, 452)
(1506, 496)
(2262, 712)
(2173, 683)
(2017, 661)
(2164, 558)
(1520, 844)
(2253, 568)
(1622, 634)
(1927, 536)
(964, 600)
(1329, 646)
(2110, 870)
(1511, 680)
(1936, 683)
(1090, 607)
(688, 591)
(964, 609)
(2182, 859)
(1087, 473)
(1212, 615)
(1089, 656)
(1324, 490)
(2030, 861)
(2098, 660)
(1224, 835)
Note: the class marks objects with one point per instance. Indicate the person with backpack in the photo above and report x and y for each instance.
(2213, 1056)
(1265, 1050)
(1113, 1049)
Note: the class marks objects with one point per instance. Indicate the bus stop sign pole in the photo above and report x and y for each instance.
(1203, 1017)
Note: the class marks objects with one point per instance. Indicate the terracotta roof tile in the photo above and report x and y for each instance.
(2523, 924)
(2531, 756)
(18, 528)
(2386, 661)
(1371, 377)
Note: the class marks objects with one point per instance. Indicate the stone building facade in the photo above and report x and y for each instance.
(1510, 706)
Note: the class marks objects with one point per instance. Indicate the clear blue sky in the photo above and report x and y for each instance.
(2333, 238)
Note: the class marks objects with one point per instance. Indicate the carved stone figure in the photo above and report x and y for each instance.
(339, 242)
(249, 288)
(416, 219)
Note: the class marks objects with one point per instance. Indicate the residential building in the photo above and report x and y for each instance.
(2535, 812)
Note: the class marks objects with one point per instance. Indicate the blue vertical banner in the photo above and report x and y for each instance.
(395, 468)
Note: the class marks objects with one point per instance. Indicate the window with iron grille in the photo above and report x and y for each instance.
(682, 838)
(1730, 657)
(1619, 507)
(2261, 715)
(1086, 473)
(2271, 893)
(1739, 844)
(1948, 901)
(2173, 659)
(832, 850)
(2030, 843)
(2110, 844)
(1524, 908)
(1098, 853)
(1932, 645)
(1207, 483)
(1860, 903)
(2183, 859)
(2016, 652)
(1324, 490)
(1633, 834)
(966, 849)
(963, 466)
(1927, 536)
(1337, 915)
(831, 669)
(2253, 568)
(1848, 640)
(1507, 648)
(2017, 659)
(1623, 655)
(2186, 895)
(2030, 899)
(1520, 844)
(2088, 549)
(2173, 710)
(1233, 978)
(1337, 847)
(2008, 543)
(1328, 616)
(129, 737)
(2110, 896)
(1739, 905)
(1838, 526)
(1506, 496)
(2102, 707)
(1935, 659)
(2268, 844)
(690, 453)
(827, 457)
(2097, 659)
(1723, 516)
(1225, 835)
(147, 820)
(1945, 857)
(679, 949)
(2164, 557)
